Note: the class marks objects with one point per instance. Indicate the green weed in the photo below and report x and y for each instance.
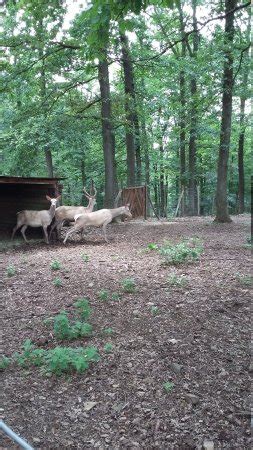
(115, 296)
(10, 270)
(154, 310)
(63, 329)
(184, 252)
(57, 282)
(83, 308)
(108, 347)
(128, 285)
(85, 257)
(108, 330)
(4, 362)
(55, 265)
(177, 280)
(152, 246)
(103, 294)
(246, 280)
(168, 386)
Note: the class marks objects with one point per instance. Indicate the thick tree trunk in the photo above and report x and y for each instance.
(107, 133)
(162, 184)
(192, 191)
(240, 159)
(49, 162)
(132, 126)
(222, 214)
(182, 118)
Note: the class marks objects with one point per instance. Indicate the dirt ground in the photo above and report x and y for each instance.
(198, 340)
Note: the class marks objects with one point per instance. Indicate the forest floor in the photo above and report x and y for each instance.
(194, 335)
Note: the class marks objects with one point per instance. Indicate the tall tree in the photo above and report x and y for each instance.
(222, 214)
(132, 120)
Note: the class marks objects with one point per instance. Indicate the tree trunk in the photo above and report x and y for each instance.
(240, 159)
(192, 191)
(162, 184)
(107, 133)
(132, 126)
(182, 118)
(222, 214)
(49, 162)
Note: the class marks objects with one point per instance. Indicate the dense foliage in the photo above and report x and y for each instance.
(165, 62)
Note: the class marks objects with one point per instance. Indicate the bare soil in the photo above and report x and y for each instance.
(198, 340)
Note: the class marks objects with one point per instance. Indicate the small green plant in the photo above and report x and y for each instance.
(63, 329)
(152, 246)
(108, 347)
(177, 280)
(184, 252)
(58, 360)
(4, 362)
(103, 294)
(246, 280)
(83, 308)
(10, 270)
(168, 386)
(61, 326)
(154, 310)
(115, 296)
(108, 330)
(128, 285)
(55, 265)
(85, 257)
(57, 282)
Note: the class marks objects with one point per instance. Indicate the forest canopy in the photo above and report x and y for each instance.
(128, 93)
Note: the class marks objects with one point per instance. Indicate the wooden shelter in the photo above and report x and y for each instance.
(18, 193)
(137, 197)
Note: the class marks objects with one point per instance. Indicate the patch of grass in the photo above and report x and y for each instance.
(246, 280)
(85, 257)
(103, 294)
(83, 308)
(55, 265)
(4, 362)
(10, 270)
(57, 282)
(177, 280)
(128, 285)
(168, 386)
(108, 347)
(154, 310)
(184, 252)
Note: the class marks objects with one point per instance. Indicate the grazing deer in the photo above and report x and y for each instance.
(68, 213)
(99, 218)
(36, 219)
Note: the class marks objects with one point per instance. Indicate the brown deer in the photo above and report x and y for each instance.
(99, 218)
(68, 213)
(29, 218)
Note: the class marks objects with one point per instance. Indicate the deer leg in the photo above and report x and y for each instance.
(24, 227)
(45, 233)
(71, 231)
(14, 231)
(52, 229)
(59, 227)
(104, 229)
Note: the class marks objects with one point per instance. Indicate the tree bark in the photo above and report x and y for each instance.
(107, 133)
(182, 117)
(132, 126)
(240, 158)
(192, 191)
(222, 214)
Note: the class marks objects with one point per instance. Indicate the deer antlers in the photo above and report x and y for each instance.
(89, 196)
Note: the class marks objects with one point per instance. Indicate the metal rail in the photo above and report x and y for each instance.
(14, 436)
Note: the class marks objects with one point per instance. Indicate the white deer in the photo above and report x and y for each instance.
(99, 218)
(29, 218)
(68, 213)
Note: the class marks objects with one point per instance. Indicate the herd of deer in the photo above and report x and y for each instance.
(82, 215)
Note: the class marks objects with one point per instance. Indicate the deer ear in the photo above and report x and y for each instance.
(128, 205)
(48, 198)
(58, 198)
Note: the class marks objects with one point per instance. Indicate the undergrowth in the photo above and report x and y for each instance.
(184, 252)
